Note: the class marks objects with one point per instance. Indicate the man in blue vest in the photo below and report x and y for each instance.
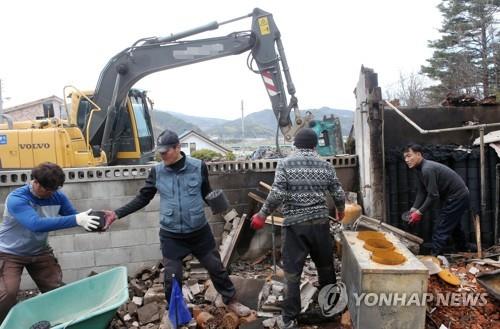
(31, 212)
(183, 184)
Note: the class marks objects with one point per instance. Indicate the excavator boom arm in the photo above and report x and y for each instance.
(151, 55)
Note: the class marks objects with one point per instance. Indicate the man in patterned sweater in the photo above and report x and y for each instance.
(300, 184)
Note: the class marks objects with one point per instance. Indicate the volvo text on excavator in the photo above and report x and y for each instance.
(112, 125)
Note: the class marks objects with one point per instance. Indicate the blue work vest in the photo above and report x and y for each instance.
(181, 202)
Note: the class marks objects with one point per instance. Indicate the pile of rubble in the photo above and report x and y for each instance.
(480, 310)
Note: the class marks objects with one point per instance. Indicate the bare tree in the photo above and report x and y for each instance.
(409, 90)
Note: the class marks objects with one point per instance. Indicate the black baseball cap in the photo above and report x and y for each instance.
(166, 140)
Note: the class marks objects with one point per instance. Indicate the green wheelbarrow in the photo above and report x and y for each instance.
(84, 304)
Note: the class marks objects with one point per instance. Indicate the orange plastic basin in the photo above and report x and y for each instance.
(365, 235)
(378, 245)
(388, 257)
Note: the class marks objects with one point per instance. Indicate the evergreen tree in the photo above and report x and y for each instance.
(466, 58)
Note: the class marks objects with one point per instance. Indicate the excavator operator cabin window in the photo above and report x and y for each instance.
(83, 113)
(140, 119)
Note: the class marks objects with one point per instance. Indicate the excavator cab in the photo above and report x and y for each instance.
(134, 141)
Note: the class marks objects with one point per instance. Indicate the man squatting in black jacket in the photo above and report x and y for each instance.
(437, 182)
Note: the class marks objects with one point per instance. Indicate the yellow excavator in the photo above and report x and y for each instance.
(112, 124)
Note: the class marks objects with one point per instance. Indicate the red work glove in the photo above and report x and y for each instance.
(258, 221)
(340, 215)
(109, 217)
(415, 217)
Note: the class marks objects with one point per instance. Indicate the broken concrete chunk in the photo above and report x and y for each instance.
(271, 299)
(195, 289)
(278, 289)
(137, 300)
(132, 308)
(269, 323)
(154, 294)
(210, 293)
(228, 226)
(148, 313)
(230, 215)
(186, 293)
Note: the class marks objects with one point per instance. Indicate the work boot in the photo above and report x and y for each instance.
(238, 308)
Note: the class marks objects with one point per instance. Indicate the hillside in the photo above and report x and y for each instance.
(202, 122)
(263, 123)
(260, 124)
(163, 120)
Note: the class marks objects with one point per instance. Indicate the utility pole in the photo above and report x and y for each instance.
(242, 122)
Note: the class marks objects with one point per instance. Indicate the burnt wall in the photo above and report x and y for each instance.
(398, 132)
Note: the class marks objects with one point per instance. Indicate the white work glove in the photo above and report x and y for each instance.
(86, 221)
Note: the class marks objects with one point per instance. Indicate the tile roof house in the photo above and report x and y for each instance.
(194, 141)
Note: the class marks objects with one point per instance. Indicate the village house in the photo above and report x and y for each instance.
(194, 141)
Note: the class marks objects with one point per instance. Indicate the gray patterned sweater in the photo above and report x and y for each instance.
(300, 183)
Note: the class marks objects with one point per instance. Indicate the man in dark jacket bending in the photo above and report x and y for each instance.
(437, 182)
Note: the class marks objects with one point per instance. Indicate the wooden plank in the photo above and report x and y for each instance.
(256, 197)
(265, 185)
(236, 236)
(477, 228)
(278, 221)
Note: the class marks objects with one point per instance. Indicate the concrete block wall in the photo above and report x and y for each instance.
(133, 241)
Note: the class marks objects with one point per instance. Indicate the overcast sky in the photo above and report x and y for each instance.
(46, 45)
